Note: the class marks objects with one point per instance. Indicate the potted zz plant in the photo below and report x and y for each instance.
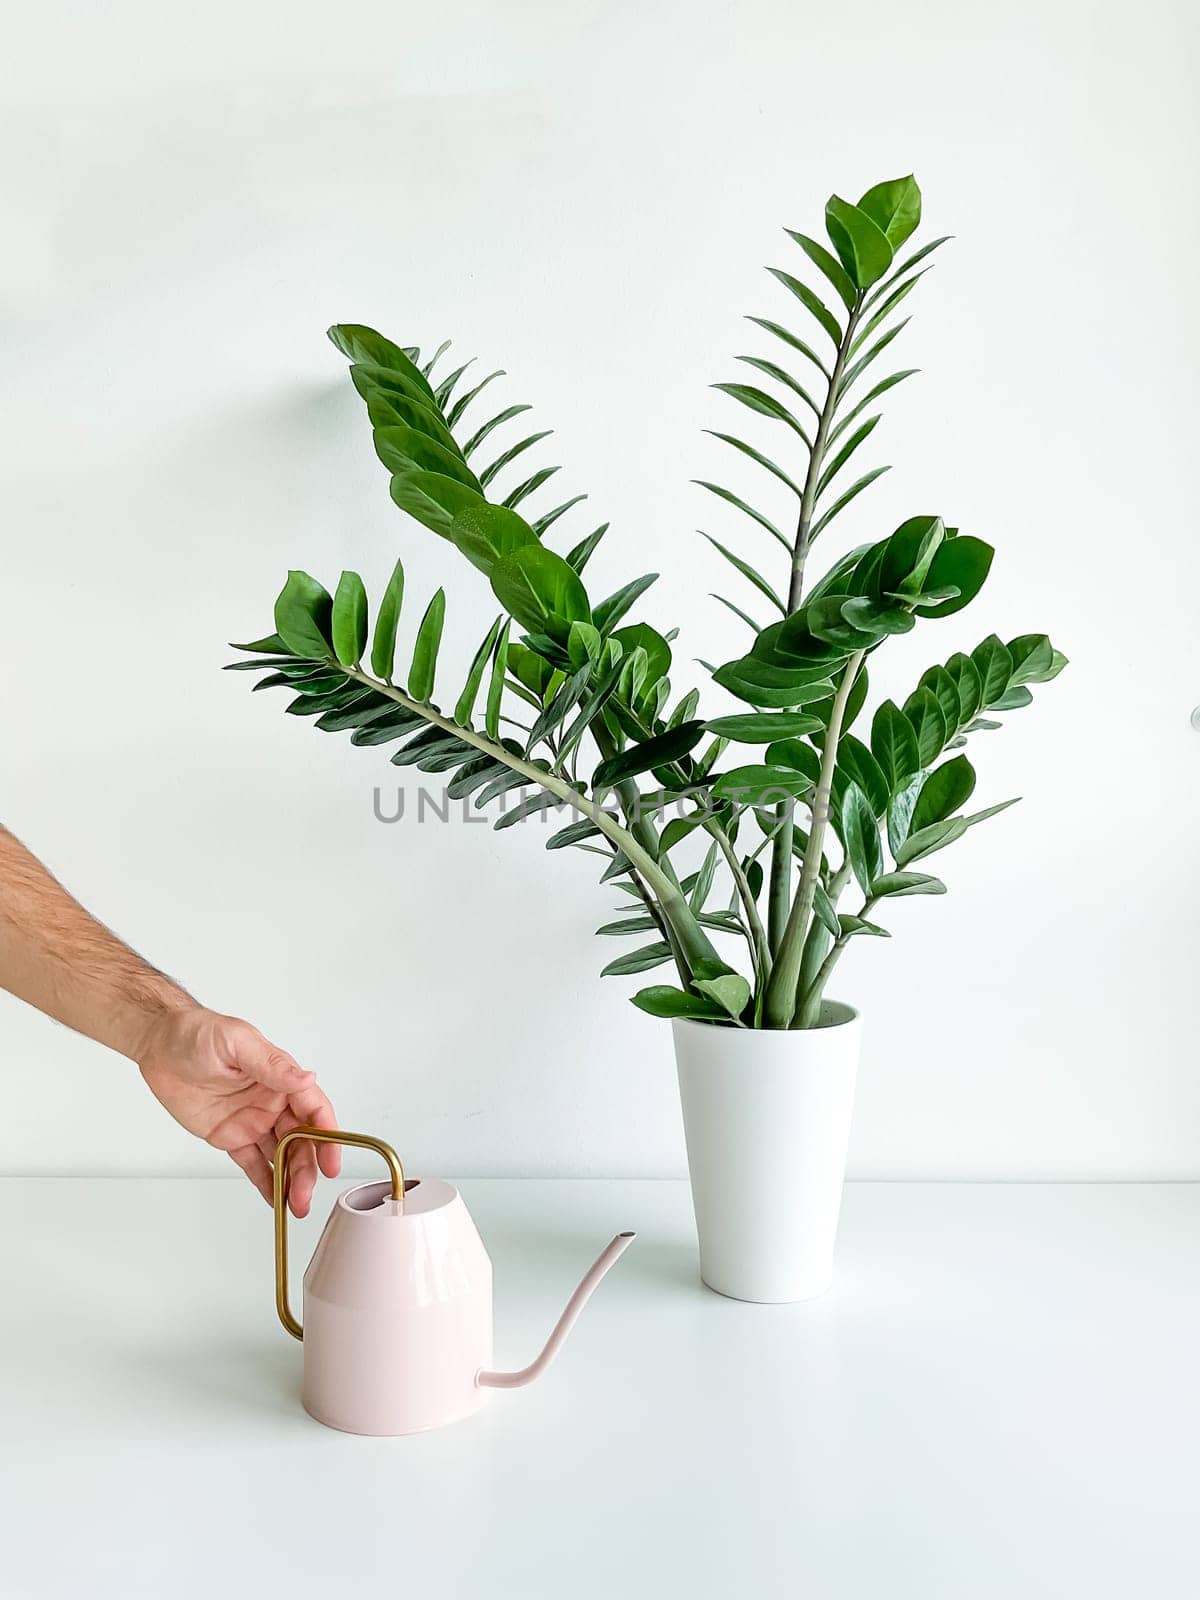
(777, 827)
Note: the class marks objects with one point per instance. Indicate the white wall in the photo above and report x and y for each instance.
(584, 193)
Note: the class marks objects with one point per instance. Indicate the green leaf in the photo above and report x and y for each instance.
(403, 448)
(496, 684)
(578, 557)
(990, 811)
(909, 555)
(765, 404)
(763, 727)
(941, 685)
(894, 207)
(383, 646)
(844, 499)
(465, 705)
(485, 534)
(1011, 700)
(641, 636)
(661, 1000)
(964, 674)
(761, 684)
(799, 757)
(730, 991)
(861, 834)
(826, 912)
(511, 454)
(432, 498)
(924, 711)
(609, 612)
(425, 649)
(832, 268)
(791, 340)
(962, 563)
(757, 456)
(862, 432)
(759, 785)
(894, 745)
(851, 925)
(897, 884)
(811, 302)
(924, 841)
(650, 955)
(748, 510)
(272, 645)
(995, 668)
(1032, 658)
(362, 344)
(900, 810)
(658, 751)
(946, 790)
(859, 241)
(860, 767)
(304, 615)
(540, 590)
(350, 619)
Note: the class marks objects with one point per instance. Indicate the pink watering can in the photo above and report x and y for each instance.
(398, 1302)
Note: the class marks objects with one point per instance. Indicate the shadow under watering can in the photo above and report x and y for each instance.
(397, 1327)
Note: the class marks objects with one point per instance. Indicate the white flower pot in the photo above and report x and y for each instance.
(767, 1118)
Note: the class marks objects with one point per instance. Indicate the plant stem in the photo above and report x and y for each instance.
(785, 976)
(694, 943)
(781, 851)
(810, 1003)
(760, 953)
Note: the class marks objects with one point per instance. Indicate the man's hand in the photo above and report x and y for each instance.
(224, 1082)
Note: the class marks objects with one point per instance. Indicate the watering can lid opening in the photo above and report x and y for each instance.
(421, 1195)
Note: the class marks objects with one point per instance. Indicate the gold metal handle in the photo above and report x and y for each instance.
(364, 1141)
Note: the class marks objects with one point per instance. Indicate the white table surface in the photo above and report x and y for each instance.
(998, 1398)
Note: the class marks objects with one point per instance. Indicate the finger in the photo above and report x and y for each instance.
(257, 1168)
(310, 1105)
(263, 1061)
(302, 1166)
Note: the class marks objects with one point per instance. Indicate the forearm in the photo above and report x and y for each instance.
(61, 960)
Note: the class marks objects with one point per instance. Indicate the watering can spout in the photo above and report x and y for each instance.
(515, 1380)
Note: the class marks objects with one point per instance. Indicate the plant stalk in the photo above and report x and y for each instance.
(785, 976)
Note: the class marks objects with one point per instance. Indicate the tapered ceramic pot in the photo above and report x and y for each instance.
(767, 1117)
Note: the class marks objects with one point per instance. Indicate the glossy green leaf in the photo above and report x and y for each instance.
(897, 884)
(759, 785)
(924, 841)
(894, 207)
(924, 711)
(844, 499)
(796, 755)
(304, 616)
(540, 590)
(765, 404)
(763, 727)
(860, 831)
(995, 668)
(729, 990)
(641, 636)
(861, 244)
(496, 684)
(383, 645)
(661, 1000)
(791, 341)
(961, 563)
(465, 706)
(579, 557)
(490, 426)
(747, 572)
(900, 810)
(350, 619)
(965, 676)
(1032, 658)
(486, 534)
(894, 745)
(840, 458)
(829, 265)
(403, 448)
(425, 649)
(749, 451)
(756, 516)
(772, 369)
(811, 303)
(761, 684)
(609, 612)
(432, 498)
(859, 766)
(650, 955)
(658, 751)
(946, 790)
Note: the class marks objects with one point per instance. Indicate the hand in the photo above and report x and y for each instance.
(221, 1080)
